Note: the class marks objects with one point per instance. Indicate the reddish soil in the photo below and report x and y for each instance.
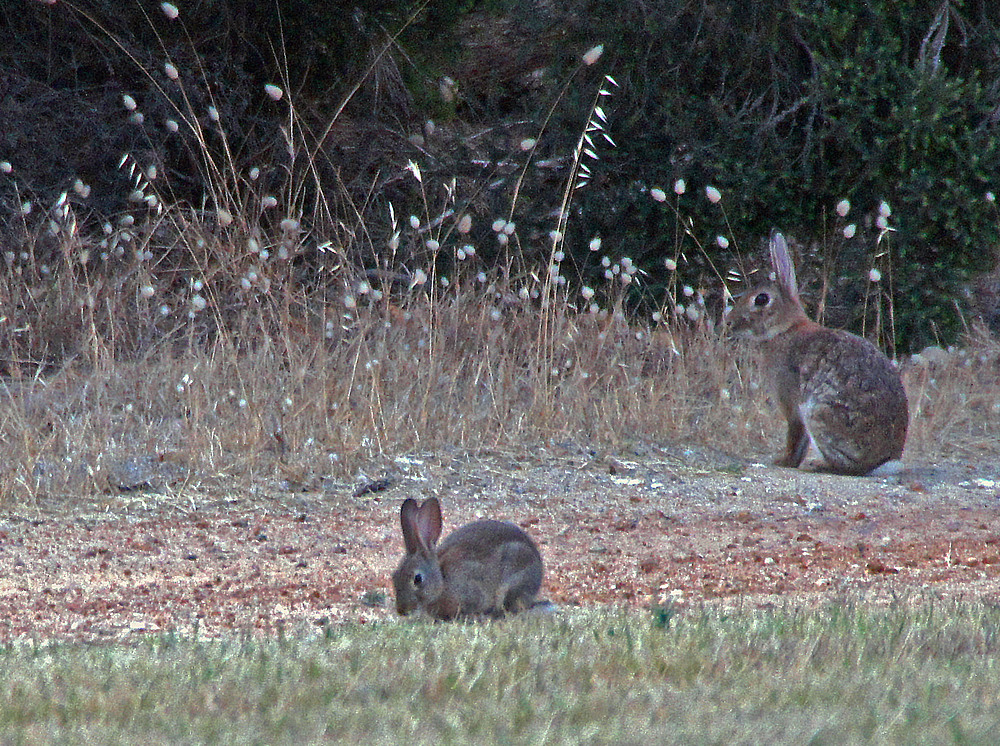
(681, 527)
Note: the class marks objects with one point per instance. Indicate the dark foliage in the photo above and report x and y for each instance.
(786, 106)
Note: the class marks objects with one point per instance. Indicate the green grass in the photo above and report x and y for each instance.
(852, 672)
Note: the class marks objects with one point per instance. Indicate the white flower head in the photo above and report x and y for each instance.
(680, 187)
(129, 102)
(883, 209)
(171, 71)
(722, 242)
(593, 54)
(595, 243)
(849, 230)
(874, 275)
(882, 222)
(670, 264)
(528, 143)
(713, 194)
(274, 91)
(464, 224)
(843, 207)
(990, 197)
(169, 10)
(658, 194)
(587, 292)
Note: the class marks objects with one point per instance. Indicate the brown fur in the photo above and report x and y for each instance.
(831, 385)
(484, 568)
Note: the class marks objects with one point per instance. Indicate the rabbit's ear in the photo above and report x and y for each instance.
(784, 270)
(408, 520)
(429, 522)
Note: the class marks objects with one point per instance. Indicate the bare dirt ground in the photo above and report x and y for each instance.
(665, 524)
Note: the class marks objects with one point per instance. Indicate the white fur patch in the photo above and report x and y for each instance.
(888, 469)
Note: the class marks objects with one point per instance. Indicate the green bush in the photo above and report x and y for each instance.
(785, 106)
(788, 108)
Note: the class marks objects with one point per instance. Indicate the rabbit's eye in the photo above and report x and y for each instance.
(761, 300)
(418, 578)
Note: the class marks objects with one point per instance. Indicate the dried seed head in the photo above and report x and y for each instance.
(593, 54)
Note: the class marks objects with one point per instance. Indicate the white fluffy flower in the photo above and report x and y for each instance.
(593, 54)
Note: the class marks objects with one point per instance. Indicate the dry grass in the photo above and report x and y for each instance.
(469, 368)
(287, 329)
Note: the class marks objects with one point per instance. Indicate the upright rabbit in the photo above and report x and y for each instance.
(833, 387)
(484, 568)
